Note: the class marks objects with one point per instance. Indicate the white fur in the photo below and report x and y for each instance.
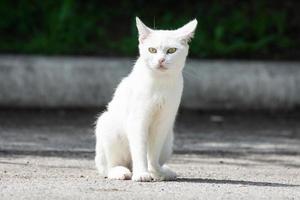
(136, 131)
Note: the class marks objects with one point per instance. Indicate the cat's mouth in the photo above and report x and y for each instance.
(162, 68)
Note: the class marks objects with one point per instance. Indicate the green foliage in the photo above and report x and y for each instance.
(240, 29)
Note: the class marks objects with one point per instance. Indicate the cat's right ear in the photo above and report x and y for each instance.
(143, 30)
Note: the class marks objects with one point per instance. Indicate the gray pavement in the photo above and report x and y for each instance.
(48, 154)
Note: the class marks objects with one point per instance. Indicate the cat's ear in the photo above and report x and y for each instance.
(186, 33)
(143, 30)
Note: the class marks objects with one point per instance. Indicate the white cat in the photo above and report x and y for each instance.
(136, 132)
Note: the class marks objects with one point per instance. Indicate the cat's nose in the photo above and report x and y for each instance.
(161, 61)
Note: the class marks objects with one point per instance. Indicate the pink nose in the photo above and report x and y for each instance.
(160, 61)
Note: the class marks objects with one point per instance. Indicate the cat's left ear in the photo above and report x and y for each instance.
(186, 33)
(143, 30)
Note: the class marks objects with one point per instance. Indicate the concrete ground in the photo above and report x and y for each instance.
(48, 154)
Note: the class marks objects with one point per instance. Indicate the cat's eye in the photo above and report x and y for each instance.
(152, 50)
(171, 50)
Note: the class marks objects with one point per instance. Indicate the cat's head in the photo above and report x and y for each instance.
(165, 50)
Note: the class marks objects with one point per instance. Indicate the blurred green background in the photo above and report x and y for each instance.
(254, 29)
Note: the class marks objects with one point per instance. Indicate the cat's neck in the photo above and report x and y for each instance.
(145, 73)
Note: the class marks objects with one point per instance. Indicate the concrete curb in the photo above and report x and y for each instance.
(39, 81)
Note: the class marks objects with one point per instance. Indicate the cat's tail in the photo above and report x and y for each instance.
(100, 158)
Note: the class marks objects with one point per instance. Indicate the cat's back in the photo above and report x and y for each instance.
(121, 95)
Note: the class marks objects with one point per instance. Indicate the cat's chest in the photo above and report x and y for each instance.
(161, 95)
(156, 96)
(164, 106)
(160, 99)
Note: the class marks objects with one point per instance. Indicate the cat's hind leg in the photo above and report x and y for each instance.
(119, 159)
(118, 156)
(112, 144)
(109, 170)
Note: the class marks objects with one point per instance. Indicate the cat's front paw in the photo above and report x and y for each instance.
(119, 173)
(142, 177)
(164, 174)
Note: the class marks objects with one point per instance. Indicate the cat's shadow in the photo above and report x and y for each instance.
(234, 182)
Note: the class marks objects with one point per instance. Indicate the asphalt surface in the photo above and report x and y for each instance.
(48, 154)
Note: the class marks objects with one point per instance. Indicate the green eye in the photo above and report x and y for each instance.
(152, 50)
(171, 50)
